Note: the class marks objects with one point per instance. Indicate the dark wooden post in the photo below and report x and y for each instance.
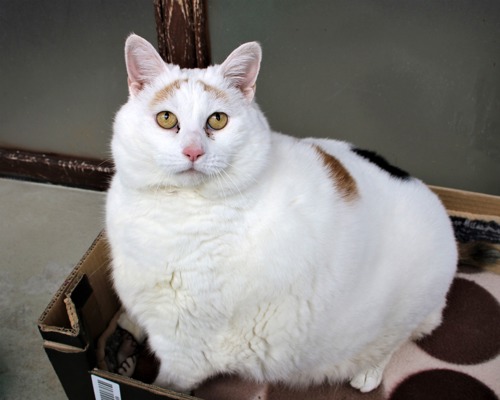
(182, 30)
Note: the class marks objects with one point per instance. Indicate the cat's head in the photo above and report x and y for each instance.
(197, 129)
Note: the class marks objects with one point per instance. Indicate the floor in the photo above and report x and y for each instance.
(43, 233)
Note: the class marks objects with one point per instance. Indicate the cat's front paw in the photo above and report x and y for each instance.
(367, 380)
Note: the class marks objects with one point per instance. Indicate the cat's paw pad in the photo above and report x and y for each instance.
(368, 380)
(127, 367)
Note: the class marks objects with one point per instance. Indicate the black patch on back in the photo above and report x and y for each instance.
(382, 163)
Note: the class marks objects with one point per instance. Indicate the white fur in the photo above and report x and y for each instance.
(253, 263)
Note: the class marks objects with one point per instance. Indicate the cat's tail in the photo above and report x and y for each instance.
(479, 255)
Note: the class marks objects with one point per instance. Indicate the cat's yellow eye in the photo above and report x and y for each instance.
(166, 119)
(217, 121)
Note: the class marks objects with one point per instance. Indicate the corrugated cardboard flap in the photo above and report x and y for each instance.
(469, 205)
(82, 307)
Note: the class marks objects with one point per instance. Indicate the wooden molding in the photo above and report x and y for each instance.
(182, 30)
(84, 173)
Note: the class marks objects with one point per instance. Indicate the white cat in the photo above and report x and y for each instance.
(241, 250)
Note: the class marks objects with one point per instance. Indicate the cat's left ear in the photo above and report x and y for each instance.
(242, 67)
(143, 63)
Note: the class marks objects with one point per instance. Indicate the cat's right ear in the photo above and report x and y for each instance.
(143, 63)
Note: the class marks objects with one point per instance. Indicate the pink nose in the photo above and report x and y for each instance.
(193, 152)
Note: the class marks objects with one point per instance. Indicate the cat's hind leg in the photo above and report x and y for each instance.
(428, 325)
(370, 378)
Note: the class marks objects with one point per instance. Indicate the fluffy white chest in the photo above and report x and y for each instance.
(161, 234)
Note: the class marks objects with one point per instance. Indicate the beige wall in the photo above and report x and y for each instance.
(417, 81)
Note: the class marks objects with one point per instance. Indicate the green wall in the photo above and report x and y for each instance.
(62, 71)
(416, 81)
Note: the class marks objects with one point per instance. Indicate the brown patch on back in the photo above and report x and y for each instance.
(219, 94)
(342, 179)
(167, 91)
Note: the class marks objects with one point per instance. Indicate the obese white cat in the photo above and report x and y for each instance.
(241, 250)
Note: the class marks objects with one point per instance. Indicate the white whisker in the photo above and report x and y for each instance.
(218, 176)
(232, 182)
(238, 170)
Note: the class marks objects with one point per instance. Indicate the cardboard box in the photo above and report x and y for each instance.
(82, 308)
(74, 320)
